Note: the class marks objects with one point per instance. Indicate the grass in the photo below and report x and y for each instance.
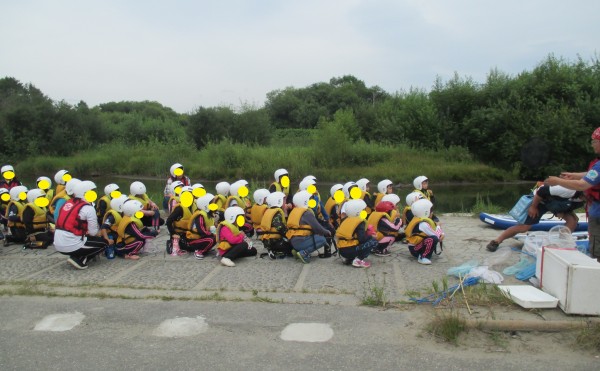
(447, 326)
(226, 160)
(589, 338)
(374, 293)
(485, 205)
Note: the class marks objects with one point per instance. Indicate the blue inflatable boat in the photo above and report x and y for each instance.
(548, 221)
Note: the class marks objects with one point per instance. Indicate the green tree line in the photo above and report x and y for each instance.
(532, 124)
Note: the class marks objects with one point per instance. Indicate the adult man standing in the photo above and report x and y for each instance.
(589, 182)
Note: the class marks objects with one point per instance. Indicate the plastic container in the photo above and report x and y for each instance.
(529, 297)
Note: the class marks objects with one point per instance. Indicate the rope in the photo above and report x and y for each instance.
(437, 297)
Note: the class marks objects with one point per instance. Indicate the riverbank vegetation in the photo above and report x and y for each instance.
(508, 127)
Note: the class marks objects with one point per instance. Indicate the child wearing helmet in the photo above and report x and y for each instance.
(387, 229)
(238, 196)
(421, 184)
(200, 234)
(151, 216)
(422, 234)
(59, 200)
(305, 232)
(45, 184)
(131, 232)
(281, 183)
(273, 226)
(176, 187)
(14, 215)
(36, 220)
(77, 231)
(365, 187)
(179, 220)
(332, 204)
(4, 200)
(309, 184)
(258, 209)
(384, 187)
(176, 172)
(355, 241)
(103, 205)
(112, 218)
(232, 242)
(9, 179)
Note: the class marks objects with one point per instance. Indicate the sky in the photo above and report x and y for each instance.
(187, 54)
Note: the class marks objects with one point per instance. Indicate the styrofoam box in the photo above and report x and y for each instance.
(573, 278)
(528, 296)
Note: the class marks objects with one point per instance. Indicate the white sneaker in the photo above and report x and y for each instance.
(227, 262)
(424, 261)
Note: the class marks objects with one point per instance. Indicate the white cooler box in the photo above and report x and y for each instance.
(572, 277)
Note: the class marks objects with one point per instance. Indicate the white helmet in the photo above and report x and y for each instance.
(335, 188)
(43, 181)
(347, 188)
(275, 199)
(279, 173)
(232, 212)
(175, 167)
(174, 185)
(6, 168)
(306, 182)
(422, 208)
(382, 186)
(418, 182)
(198, 190)
(32, 194)
(222, 188)
(110, 188)
(362, 184)
(130, 207)
(260, 195)
(117, 203)
(392, 197)
(412, 197)
(137, 188)
(62, 177)
(3, 191)
(301, 199)
(235, 187)
(70, 187)
(354, 207)
(82, 188)
(186, 189)
(204, 201)
(18, 193)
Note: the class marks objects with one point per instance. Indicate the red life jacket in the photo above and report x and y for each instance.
(593, 193)
(68, 218)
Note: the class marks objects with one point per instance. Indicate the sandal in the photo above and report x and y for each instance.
(492, 246)
(132, 257)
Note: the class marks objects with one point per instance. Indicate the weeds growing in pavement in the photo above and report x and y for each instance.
(589, 337)
(373, 293)
(447, 326)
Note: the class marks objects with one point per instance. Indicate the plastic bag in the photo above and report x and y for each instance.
(560, 236)
(519, 211)
(534, 242)
(486, 275)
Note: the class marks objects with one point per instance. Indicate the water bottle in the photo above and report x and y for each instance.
(110, 252)
(175, 250)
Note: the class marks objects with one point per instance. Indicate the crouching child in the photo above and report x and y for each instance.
(355, 240)
(422, 234)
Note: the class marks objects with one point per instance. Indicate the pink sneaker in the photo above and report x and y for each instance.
(360, 263)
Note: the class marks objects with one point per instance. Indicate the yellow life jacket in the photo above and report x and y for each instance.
(125, 221)
(415, 238)
(405, 220)
(426, 194)
(40, 217)
(256, 214)
(20, 207)
(346, 233)
(50, 195)
(280, 188)
(144, 200)
(220, 200)
(378, 197)
(329, 205)
(117, 216)
(224, 244)
(363, 195)
(295, 229)
(105, 199)
(192, 233)
(243, 202)
(60, 188)
(266, 224)
(62, 194)
(374, 220)
(181, 226)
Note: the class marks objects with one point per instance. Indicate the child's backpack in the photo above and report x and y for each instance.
(277, 248)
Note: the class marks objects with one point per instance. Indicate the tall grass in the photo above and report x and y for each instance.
(227, 160)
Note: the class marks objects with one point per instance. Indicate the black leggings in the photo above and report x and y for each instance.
(93, 246)
(240, 250)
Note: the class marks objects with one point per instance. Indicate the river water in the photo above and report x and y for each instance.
(449, 198)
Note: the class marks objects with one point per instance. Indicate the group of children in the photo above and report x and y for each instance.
(351, 222)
